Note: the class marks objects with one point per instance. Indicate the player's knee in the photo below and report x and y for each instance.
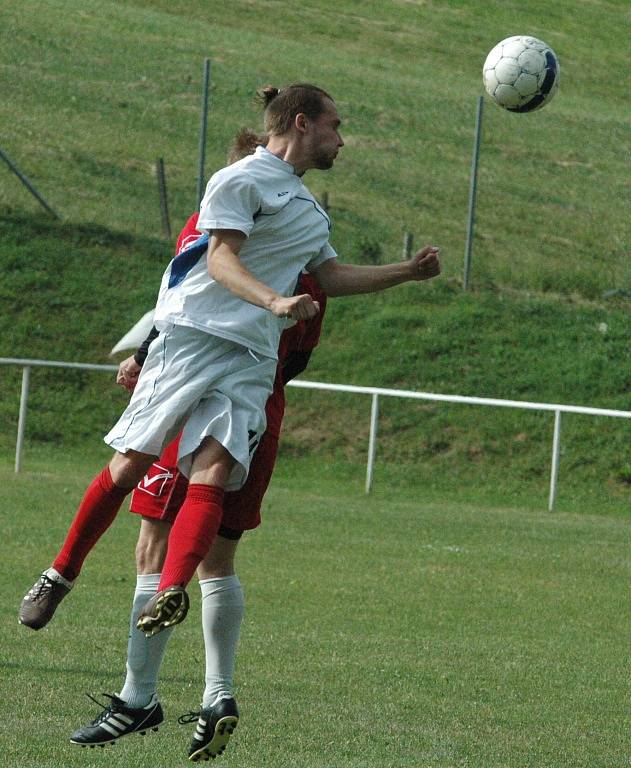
(128, 469)
(212, 464)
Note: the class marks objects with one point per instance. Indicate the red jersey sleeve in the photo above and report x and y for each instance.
(189, 234)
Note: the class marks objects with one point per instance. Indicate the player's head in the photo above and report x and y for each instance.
(244, 144)
(308, 114)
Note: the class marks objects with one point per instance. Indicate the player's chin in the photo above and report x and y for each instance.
(324, 163)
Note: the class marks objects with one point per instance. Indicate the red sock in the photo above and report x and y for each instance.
(96, 512)
(192, 535)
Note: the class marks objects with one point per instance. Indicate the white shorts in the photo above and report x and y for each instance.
(204, 384)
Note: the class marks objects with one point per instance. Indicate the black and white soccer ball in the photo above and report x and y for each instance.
(521, 73)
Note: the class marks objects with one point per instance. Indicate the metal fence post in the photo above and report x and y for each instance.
(202, 132)
(408, 240)
(162, 194)
(472, 194)
(27, 184)
(556, 450)
(372, 440)
(26, 377)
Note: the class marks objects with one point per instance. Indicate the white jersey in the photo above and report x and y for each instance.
(287, 231)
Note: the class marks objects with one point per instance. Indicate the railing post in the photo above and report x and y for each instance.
(26, 376)
(372, 440)
(556, 450)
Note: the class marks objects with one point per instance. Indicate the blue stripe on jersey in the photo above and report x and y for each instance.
(186, 260)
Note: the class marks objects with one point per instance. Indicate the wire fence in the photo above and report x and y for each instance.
(374, 392)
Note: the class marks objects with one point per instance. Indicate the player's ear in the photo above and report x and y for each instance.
(301, 122)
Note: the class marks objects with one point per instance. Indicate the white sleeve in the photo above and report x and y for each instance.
(326, 252)
(230, 202)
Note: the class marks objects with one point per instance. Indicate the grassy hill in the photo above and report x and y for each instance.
(100, 90)
(493, 343)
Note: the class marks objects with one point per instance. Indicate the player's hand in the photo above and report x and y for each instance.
(425, 264)
(128, 372)
(301, 307)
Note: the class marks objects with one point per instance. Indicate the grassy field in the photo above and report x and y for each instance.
(389, 631)
(447, 620)
(100, 89)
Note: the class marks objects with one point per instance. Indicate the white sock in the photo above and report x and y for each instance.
(144, 654)
(222, 611)
(56, 576)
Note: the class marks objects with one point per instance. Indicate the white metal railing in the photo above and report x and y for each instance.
(375, 392)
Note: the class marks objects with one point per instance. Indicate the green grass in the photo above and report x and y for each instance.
(384, 631)
(432, 338)
(447, 620)
(100, 89)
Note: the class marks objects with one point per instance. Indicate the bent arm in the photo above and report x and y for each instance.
(345, 279)
(225, 266)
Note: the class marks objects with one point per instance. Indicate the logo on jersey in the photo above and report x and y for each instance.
(253, 440)
(189, 240)
(156, 480)
(282, 194)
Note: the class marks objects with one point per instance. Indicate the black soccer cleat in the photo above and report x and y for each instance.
(41, 601)
(165, 609)
(215, 725)
(117, 720)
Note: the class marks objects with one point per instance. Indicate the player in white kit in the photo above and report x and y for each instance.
(266, 227)
(220, 314)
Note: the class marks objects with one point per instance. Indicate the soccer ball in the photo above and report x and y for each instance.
(521, 73)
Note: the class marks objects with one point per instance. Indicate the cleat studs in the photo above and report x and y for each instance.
(155, 729)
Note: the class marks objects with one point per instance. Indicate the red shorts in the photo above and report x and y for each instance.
(161, 492)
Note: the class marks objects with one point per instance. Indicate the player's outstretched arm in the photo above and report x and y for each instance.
(224, 266)
(345, 279)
